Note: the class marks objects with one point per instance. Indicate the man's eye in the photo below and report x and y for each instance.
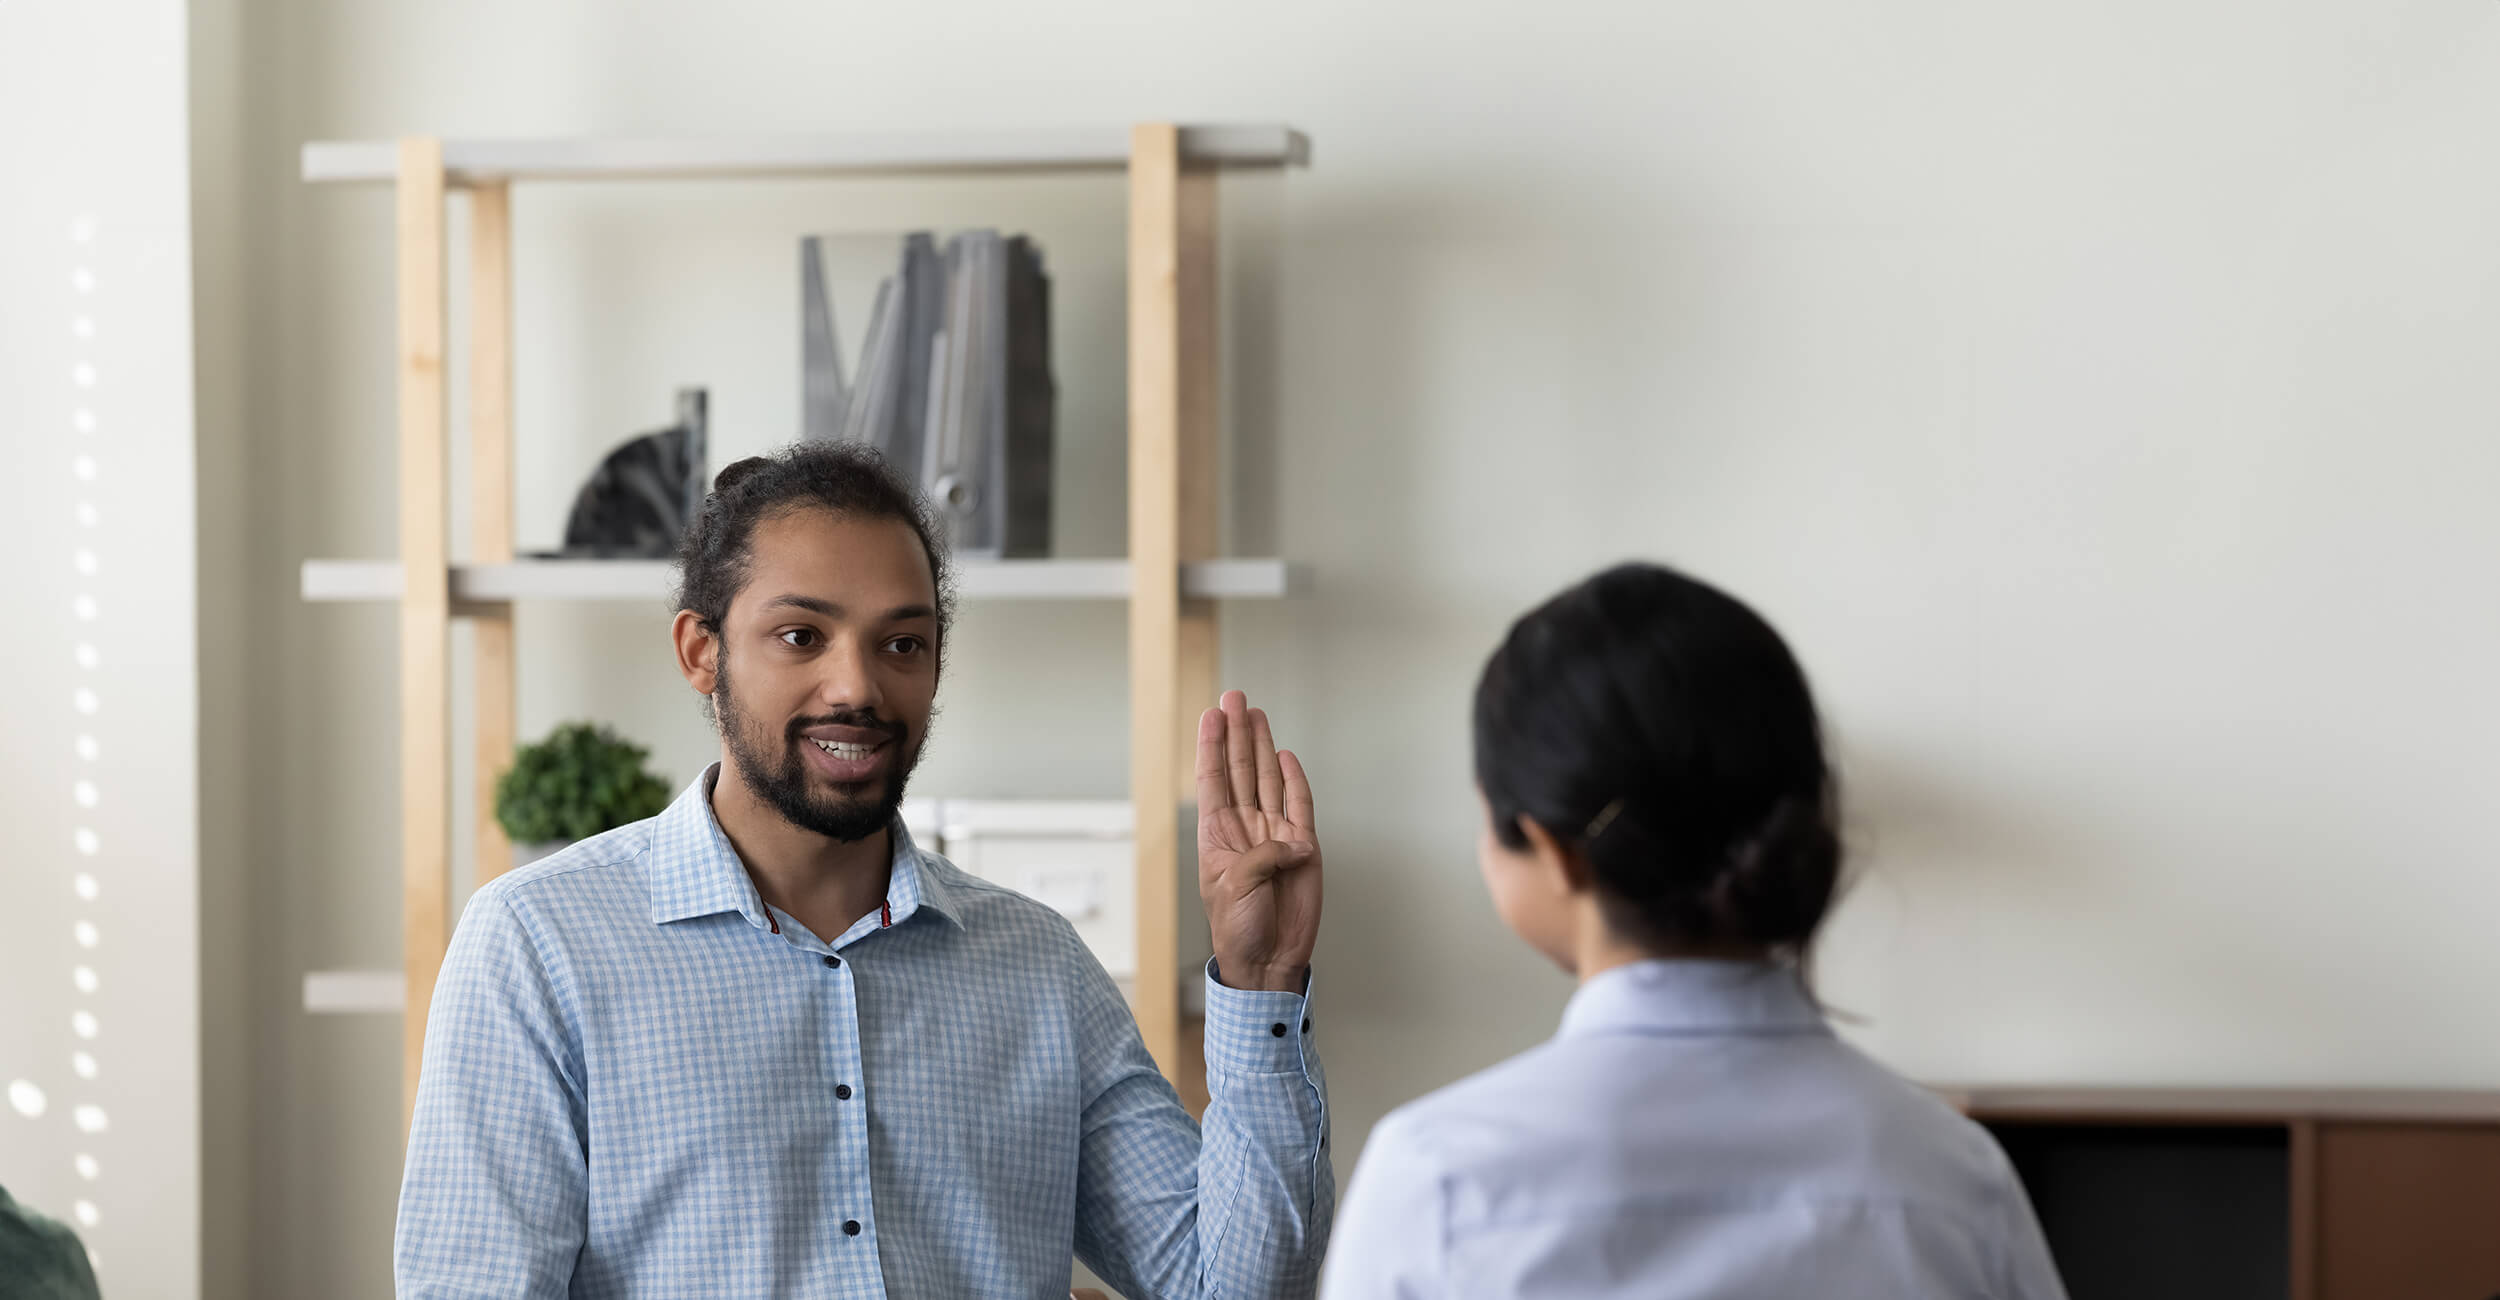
(799, 637)
(903, 645)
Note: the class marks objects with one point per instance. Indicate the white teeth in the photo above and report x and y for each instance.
(840, 749)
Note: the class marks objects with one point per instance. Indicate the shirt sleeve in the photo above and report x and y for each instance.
(1391, 1240)
(495, 1198)
(1240, 1209)
(2031, 1271)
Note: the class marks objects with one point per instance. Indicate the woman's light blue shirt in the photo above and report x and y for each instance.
(1694, 1129)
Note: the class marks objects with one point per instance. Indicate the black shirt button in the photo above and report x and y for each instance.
(842, 1092)
(1306, 1024)
(831, 962)
(850, 1227)
(1278, 1029)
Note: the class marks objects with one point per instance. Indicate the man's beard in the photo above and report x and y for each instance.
(784, 781)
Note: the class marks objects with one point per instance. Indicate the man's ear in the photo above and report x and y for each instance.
(1563, 864)
(698, 652)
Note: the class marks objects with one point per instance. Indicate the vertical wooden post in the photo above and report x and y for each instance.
(1199, 649)
(1174, 517)
(1201, 507)
(490, 499)
(425, 603)
(1162, 413)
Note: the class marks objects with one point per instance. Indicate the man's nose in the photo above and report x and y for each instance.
(849, 678)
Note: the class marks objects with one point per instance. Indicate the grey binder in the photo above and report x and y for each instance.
(885, 403)
(953, 385)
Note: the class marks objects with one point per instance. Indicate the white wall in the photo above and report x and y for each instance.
(99, 900)
(2098, 395)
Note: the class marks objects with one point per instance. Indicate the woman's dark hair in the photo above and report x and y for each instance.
(846, 478)
(1661, 726)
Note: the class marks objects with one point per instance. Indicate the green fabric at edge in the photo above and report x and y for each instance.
(40, 1259)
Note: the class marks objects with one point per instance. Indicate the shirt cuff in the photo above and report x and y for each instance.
(1256, 1031)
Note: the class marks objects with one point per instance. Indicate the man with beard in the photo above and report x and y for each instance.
(762, 1044)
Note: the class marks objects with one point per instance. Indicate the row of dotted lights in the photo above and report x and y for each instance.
(88, 1116)
(24, 1095)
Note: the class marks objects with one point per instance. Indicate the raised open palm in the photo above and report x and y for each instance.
(1258, 850)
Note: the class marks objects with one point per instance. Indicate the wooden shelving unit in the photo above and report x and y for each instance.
(1173, 493)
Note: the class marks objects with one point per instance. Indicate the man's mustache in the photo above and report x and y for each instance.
(863, 721)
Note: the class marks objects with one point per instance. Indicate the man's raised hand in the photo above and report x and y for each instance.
(1258, 850)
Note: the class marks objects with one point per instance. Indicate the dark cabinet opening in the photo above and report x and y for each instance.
(2160, 1211)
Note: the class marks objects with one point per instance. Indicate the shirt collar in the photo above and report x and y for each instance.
(695, 871)
(1693, 997)
(918, 881)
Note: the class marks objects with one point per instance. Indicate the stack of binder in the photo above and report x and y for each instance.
(953, 384)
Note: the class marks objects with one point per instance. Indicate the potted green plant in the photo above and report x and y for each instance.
(581, 780)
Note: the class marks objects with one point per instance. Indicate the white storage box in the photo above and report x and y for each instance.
(1075, 856)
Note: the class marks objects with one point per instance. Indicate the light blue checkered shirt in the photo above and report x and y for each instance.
(641, 1081)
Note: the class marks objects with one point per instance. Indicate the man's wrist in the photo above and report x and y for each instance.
(1248, 978)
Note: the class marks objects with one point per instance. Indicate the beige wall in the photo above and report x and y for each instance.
(2099, 397)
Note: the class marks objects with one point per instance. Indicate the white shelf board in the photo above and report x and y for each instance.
(648, 580)
(355, 992)
(1085, 149)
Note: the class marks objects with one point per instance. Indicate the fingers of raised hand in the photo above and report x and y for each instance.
(1271, 775)
(1239, 744)
(1214, 791)
(1298, 806)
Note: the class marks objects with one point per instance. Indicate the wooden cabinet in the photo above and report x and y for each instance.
(2407, 1210)
(2259, 1194)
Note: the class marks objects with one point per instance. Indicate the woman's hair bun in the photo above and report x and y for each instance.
(1780, 880)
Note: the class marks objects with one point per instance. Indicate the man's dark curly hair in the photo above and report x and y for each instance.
(846, 478)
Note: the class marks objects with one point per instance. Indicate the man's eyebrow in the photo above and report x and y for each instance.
(808, 603)
(818, 605)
